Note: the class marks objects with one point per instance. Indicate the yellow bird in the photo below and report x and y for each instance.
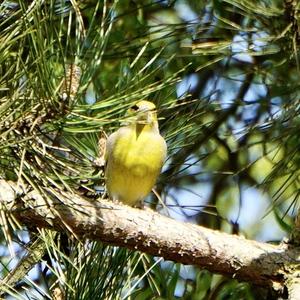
(134, 155)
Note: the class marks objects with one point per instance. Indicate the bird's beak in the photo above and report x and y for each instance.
(151, 116)
(147, 117)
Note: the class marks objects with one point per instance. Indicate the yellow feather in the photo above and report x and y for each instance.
(135, 154)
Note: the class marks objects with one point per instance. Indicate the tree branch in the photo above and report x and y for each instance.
(145, 230)
(36, 249)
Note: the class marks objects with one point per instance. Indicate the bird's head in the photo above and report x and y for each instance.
(143, 112)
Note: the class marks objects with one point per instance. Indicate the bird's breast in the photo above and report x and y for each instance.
(141, 155)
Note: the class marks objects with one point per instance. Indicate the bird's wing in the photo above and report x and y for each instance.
(110, 142)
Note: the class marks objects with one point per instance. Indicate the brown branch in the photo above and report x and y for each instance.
(259, 263)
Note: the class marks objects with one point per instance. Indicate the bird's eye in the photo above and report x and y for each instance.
(135, 107)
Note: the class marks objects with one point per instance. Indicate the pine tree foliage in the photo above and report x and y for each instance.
(225, 78)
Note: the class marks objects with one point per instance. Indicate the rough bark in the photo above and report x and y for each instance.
(145, 230)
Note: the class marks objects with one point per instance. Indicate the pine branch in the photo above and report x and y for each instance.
(36, 249)
(262, 264)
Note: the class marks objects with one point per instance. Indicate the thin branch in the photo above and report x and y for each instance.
(35, 251)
